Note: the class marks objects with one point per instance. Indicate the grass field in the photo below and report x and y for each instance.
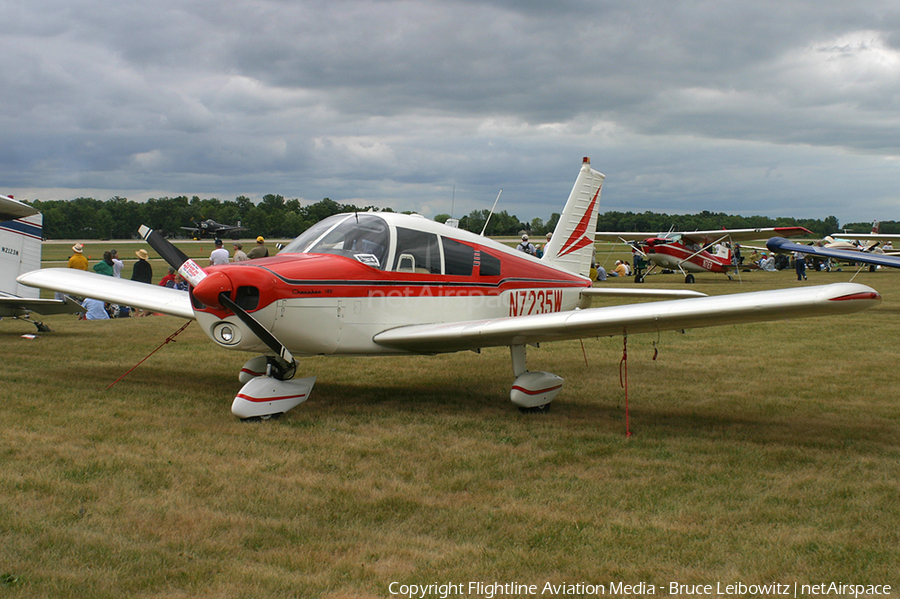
(761, 453)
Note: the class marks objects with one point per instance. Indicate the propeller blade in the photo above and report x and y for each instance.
(169, 252)
(283, 356)
(177, 259)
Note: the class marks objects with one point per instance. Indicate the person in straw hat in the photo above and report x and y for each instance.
(142, 272)
(77, 260)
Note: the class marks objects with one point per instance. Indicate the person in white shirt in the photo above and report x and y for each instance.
(118, 265)
(218, 255)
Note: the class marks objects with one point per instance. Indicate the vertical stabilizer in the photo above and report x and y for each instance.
(572, 245)
(20, 245)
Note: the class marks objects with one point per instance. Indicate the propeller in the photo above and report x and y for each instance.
(283, 364)
(166, 250)
(177, 259)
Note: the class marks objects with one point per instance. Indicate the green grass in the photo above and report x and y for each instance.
(761, 452)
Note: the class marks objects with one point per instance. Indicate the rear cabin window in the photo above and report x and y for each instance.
(417, 251)
(459, 258)
(490, 265)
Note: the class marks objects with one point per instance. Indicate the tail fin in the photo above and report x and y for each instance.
(572, 245)
(21, 230)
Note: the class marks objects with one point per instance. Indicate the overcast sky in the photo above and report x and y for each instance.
(778, 108)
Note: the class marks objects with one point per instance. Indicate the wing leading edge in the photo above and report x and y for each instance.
(118, 291)
(759, 306)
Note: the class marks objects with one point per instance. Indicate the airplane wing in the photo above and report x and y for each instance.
(110, 289)
(11, 305)
(709, 236)
(193, 229)
(11, 209)
(759, 306)
(779, 243)
(868, 236)
(704, 237)
(226, 228)
(626, 236)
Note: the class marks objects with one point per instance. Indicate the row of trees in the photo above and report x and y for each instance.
(119, 218)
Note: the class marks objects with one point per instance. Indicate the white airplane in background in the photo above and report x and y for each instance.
(863, 242)
(365, 284)
(20, 251)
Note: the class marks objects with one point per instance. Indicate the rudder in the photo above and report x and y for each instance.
(572, 245)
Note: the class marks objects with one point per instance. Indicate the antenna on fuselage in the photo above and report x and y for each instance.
(488, 219)
(453, 201)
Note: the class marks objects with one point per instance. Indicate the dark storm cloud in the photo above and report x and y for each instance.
(769, 107)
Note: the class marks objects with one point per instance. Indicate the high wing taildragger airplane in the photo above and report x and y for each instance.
(21, 230)
(694, 251)
(365, 284)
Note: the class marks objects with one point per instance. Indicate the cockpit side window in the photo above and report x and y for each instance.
(417, 251)
(490, 265)
(459, 258)
(363, 237)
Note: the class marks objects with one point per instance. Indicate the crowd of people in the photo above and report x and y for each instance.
(110, 265)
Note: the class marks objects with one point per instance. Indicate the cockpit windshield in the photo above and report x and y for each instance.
(363, 237)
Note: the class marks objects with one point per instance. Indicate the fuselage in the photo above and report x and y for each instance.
(355, 275)
(675, 255)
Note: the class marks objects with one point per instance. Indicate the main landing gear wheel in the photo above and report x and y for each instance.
(536, 409)
(689, 279)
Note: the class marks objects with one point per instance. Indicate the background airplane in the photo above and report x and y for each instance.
(20, 251)
(210, 227)
(365, 284)
(846, 255)
(693, 251)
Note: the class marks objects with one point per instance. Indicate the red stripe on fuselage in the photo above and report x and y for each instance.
(297, 276)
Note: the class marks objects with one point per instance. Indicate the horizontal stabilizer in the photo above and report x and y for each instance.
(10, 305)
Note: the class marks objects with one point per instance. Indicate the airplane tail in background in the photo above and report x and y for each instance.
(21, 230)
(572, 244)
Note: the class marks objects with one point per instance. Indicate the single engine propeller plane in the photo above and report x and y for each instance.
(210, 227)
(689, 251)
(21, 231)
(366, 284)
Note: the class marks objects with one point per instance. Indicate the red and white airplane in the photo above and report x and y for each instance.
(367, 284)
(695, 251)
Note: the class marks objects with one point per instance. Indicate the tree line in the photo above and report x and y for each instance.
(276, 217)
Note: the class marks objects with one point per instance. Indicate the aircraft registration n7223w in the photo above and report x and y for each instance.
(364, 284)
